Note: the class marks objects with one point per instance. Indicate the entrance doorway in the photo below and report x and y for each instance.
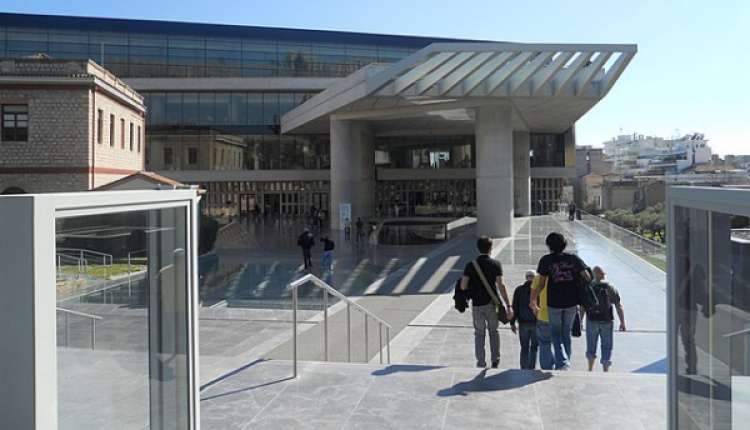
(247, 204)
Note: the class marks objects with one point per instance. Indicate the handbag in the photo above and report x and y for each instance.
(502, 316)
(576, 329)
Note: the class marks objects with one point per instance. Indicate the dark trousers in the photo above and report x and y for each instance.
(307, 258)
(529, 344)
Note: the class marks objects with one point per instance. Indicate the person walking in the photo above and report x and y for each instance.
(306, 241)
(600, 320)
(539, 308)
(526, 331)
(327, 260)
(572, 211)
(360, 229)
(483, 275)
(562, 271)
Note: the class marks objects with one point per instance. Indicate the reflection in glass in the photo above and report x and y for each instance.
(126, 272)
(712, 319)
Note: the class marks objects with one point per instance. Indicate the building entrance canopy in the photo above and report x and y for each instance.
(549, 85)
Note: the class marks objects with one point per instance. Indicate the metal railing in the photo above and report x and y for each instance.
(625, 237)
(66, 259)
(87, 254)
(327, 289)
(93, 318)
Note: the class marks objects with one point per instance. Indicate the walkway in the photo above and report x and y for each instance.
(432, 383)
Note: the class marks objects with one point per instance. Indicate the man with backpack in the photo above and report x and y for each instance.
(600, 320)
(526, 330)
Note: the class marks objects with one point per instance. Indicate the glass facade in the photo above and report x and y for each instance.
(123, 327)
(547, 150)
(425, 152)
(441, 197)
(710, 304)
(131, 49)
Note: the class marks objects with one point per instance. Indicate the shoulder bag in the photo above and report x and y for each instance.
(502, 316)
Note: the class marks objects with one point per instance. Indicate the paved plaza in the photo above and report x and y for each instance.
(431, 382)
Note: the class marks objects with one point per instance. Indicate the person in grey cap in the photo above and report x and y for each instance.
(526, 329)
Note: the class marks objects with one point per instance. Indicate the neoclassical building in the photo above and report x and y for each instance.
(286, 119)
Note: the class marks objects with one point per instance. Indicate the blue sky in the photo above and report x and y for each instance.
(691, 73)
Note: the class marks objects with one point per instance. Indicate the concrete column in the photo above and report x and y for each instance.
(494, 145)
(352, 170)
(522, 172)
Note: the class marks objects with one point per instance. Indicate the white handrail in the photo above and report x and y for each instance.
(327, 289)
(736, 333)
(93, 319)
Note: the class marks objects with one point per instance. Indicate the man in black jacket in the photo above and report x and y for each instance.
(306, 242)
(526, 330)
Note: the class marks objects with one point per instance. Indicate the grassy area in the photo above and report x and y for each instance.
(656, 262)
(102, 272)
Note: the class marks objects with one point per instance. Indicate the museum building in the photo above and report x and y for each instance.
(279, 120)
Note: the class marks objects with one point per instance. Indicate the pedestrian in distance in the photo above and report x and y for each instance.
(572, 211)
(488, 279)
(600, 320)
(347, 229)
(360, 232)
(306, 241)
(526, 329)
(327, 260)
(564, 272)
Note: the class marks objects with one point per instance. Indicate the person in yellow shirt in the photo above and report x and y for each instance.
(546, 359)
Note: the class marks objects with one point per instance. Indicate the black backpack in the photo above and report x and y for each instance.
(602, 311)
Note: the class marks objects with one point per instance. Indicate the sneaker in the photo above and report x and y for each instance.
(565, 368)
(495, 364)
(481, 364)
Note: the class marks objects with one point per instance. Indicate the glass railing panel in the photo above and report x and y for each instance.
(129, 271)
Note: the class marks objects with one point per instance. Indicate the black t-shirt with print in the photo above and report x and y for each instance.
(563, 271)
(491, 269)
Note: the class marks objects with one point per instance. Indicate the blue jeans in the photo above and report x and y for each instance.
(560, 324)
(529, 344)
(327, 257)
(546, 360)
(485, 320)
(606, 331)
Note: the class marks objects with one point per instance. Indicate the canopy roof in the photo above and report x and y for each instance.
(551, 86)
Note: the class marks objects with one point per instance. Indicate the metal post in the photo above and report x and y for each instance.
(93, 333)
(67, 331)
(380, 337)
(325, 322)
(367, 352)
(130, 275)
(294, 330)
(349, 332)
(388, 345)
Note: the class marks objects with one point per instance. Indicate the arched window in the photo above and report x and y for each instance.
(13, 190)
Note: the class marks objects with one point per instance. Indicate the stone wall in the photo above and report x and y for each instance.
(40, 183)
(62, 131)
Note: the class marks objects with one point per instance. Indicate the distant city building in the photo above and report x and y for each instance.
(637, 154)
(67, 125)
(589, 161)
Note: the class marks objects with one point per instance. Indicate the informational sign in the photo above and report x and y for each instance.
(345, 212)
